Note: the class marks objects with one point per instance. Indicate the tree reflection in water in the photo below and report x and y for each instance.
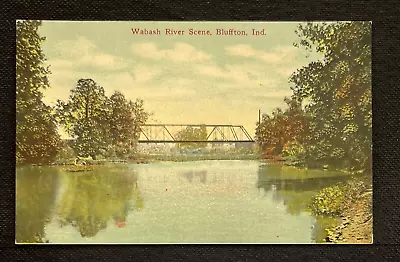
(295, 188)
(36, 188)
(93, 198)
(202, 175)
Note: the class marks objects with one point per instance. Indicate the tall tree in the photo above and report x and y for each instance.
(339, 91)
(120, 119)
(140, 116)
(37, 139)
(125, 119)
(84, 117)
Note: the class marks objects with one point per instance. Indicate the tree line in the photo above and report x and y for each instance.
(101, 125)
(193, 134)
(328, 121)
(97, 124)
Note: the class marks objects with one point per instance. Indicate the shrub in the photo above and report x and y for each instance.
(65, 155)
(294, 152)
(329, 201)
(334, 200)
(118, 152)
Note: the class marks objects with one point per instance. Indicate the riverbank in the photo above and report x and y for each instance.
(356, 223)
(75, 163)
(198, 157)
(351, 204)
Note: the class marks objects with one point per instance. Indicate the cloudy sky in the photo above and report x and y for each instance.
(182, 79)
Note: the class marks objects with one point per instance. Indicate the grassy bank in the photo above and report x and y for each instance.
(199, 157)
(351, 205)
(149, 158)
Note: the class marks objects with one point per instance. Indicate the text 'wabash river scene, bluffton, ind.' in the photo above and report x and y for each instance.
(193, 132)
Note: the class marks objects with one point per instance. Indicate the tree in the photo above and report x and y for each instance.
(339, 91)
(125, 118)
(282, 128)
(140, 116)
(120, 119)
(84, 117)
(101, 125)
(37, 139)
(193, 134)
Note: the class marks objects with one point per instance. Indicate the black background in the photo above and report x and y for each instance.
(386, 128)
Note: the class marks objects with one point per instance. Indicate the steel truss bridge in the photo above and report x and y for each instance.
(168, 133)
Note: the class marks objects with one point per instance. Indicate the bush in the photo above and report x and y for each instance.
(294, 153)
(329, 201)
(118, 152)
(66, 155)
(332, 201)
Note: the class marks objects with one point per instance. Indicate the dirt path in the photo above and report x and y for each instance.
(356, 226)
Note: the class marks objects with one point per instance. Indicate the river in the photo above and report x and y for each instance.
(238, 201)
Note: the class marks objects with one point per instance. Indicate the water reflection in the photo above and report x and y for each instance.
(85, 200)
(92, 199)
(190, 175)
(218, 204)
(295, 188)
(35, 191)
(279, 178)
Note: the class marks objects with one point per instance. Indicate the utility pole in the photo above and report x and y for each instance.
(259, 116)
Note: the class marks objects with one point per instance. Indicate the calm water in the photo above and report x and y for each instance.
(167, 202)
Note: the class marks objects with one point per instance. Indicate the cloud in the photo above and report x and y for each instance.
(61, 82)
(244, 75)
(181, 52)
(241, 50)
(144, 73)
(282, 54)
(75, 48)
(280, 62)
(82, 52)
(60, 64)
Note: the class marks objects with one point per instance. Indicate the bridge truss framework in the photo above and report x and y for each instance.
(168, 133)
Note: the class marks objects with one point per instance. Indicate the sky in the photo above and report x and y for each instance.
(183, 79)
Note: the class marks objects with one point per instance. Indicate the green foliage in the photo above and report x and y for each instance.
(339, 91)
(37, 139)
(101, 125)
(294, 153)
(124, 121)
(333, 201)
(120, 119)
(329, 201)
(84, 117)
(282, 127)
(120, 151)
(66, 155)
(334, 126)
(193, 134)
(140, 116)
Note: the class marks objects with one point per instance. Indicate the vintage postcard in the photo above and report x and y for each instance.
(193, 132)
